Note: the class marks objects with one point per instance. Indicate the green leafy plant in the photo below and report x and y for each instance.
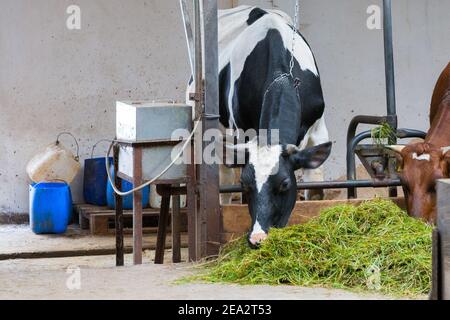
(383, 133)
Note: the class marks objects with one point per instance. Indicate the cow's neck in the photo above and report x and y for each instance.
(439, 133)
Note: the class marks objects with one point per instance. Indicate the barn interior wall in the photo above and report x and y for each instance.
(53, 79)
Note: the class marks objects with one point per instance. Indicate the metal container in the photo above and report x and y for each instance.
(153, 126)
(154, 160)
(148, 121)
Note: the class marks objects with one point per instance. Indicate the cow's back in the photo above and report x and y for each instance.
(254, 49)
(441, 89)
(439, 133)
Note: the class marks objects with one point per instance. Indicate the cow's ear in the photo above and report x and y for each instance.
(309, 158)
(398, 154)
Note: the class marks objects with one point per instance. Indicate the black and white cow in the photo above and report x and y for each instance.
(258, 92)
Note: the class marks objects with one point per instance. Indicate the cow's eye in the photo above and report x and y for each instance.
(284, 185)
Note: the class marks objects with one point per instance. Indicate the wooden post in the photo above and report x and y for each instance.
(436, 293)
(176, 236)
(119, 210)
(162, 227)
(443, 226)
(137, 206)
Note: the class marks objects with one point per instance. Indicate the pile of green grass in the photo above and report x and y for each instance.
(374, 246)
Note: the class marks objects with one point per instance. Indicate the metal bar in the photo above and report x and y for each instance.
(191, 199)
(137, 206)
(390, 76)
(189, 34)
(312, 185)
(209, 174)
(389, 58)
(119, 211)
(195, 223)
(410, 133)
(198, 61)
(351, 162)
(176, 235)
(329, 185)
(353, 143)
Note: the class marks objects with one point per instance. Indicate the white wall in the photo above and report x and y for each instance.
(53, 79)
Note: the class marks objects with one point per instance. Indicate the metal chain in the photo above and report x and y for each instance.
(294, 33)
(291, 63)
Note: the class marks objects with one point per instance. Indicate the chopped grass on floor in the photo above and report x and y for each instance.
(374, 246)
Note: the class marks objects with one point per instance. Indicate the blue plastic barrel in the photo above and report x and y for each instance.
(50, 207)
(95, 181)
(128, 200)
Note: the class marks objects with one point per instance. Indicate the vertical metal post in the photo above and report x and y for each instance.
(205, 225)
(390, 76)
(209, 174)
(198, 76)
(194, 221)
(389, 58)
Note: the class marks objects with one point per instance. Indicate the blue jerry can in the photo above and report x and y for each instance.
(50, 207)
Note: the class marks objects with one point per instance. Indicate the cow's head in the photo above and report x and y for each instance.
(421, 164)
(269, 182)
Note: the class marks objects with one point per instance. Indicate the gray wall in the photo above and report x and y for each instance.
(53, 79)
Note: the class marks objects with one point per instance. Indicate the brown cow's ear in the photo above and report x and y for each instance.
(399, 159)
(398, 155)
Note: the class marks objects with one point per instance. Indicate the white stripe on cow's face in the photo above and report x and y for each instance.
(265, 161)
(422, 157)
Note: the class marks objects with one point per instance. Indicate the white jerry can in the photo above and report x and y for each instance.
(54, 163)
(155, 199)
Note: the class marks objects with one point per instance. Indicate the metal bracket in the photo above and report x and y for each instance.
(197, 97)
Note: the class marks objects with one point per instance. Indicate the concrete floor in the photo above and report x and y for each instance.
(99, 279)
(48, 278)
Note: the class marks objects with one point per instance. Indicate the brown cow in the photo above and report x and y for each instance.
(423, 163)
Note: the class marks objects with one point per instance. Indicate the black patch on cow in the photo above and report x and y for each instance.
(254, 15)
(287, 108)
(224, 85)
